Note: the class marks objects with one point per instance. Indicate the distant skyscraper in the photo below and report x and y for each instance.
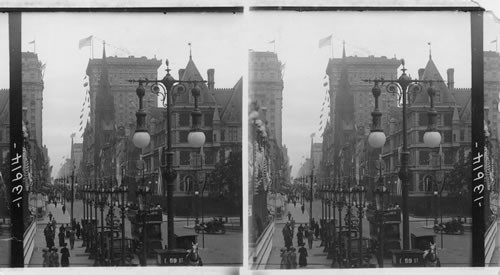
(265, 87)
(121, 69)
(32, 79)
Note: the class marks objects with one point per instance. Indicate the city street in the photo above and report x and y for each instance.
(216, 250)
(455, 250)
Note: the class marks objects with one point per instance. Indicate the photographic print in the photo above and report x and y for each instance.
(133, 122)
(359, 139)
(491, 129)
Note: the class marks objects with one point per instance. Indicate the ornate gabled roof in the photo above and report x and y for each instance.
(231, 101)
(431, 73)
(191, 73)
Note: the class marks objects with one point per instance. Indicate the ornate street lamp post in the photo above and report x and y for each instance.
(380, 193)
(360, 203)
(168, 87)
(339, 199)
(142, 193)
(122, 195)
(432, 138)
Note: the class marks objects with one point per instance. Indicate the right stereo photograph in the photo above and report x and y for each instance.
(492, 135)
(360, 133)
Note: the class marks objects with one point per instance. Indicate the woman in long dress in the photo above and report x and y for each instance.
(302, 256)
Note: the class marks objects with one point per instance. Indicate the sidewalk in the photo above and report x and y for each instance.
(78, 257)
(316, 257)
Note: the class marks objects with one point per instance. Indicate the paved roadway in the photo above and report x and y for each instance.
(216, 250)
(453, 251)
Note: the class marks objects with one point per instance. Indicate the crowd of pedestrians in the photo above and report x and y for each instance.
(305, 233)
(68, 232)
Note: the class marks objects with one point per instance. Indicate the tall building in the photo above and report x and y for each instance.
(32, 79)
(265, 87)
(113, 104)
(351, 104)
(119, 71)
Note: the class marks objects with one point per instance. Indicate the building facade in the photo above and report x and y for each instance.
(265, 87)
(32, 79)
(431, 169)
(221, 122)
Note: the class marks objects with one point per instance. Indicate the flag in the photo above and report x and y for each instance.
(494, 41)
(32, 42)
(85, 42)
(160, 183)
(273, 41)
(327, 41)
(85, 84)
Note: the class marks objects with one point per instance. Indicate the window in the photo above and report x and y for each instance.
(233, 135)
(421, 136)
(448, 119)
(183, 136)
(209, 157)
(184, 158)
(447, 136)
(424, 158)
(208, 136)
(184, 119)
(462, 135)
(208, 119)
(423, 119)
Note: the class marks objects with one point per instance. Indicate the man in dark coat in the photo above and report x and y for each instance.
(61, 238)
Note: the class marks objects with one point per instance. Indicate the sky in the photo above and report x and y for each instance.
(219, 42)
(401, 34)
(215, 44)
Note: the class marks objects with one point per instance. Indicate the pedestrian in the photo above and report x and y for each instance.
(64, 208)
(301, 227)
(46, 257)
(310, 238)
(293, 258)
(61, 238)
(67, 231)
(71, 239)
(54, 258)
(303, 256)
(50, 216)
(64, 256)
(292, 226)
(55, 204)
(316, 230)
(78, 229)
(302, 208)
(300, 238)
(47, 233)
(283, 258)
(286, 256)
(289, 215)
(294, 203)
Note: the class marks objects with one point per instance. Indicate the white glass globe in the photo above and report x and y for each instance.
(196, 139)
(432, 139)
(141, 139)
(376, 139)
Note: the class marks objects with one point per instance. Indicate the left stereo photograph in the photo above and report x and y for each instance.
(132, 143)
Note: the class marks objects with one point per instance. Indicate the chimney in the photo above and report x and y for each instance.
(181, 73)
(451, 78)
(420, 73)
(210, 74)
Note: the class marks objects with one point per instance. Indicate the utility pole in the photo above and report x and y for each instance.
(312, 179)
(72, 180)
